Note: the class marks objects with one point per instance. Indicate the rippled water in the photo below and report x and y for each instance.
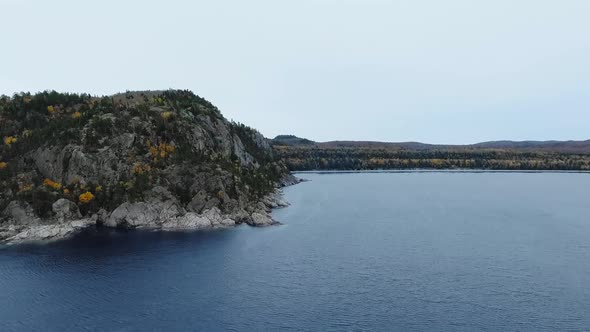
(362, 251)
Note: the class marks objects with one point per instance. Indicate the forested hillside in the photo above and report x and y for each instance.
(504, 155)
(146, 158)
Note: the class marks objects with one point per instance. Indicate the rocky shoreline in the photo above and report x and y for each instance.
(160, 212)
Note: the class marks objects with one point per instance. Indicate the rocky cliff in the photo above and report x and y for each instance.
(162, 159)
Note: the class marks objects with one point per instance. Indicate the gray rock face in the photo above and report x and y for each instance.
(290, 180)
(71, 163)
(240, 151)
(49, 161)
(20, 213)
(198, 202)
(101, 217)
(274, 200)
(25, 225)
(143, 214)
(165, 216)
(262, 142)
(214, 215)
(159, 207)
(260, 219)
(161, 210)
(46, 232)
(226, 222)
(190, 220)
(209, 219)
(66, 210)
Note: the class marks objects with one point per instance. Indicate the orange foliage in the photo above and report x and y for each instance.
(9, 140)
(52, 184)
(161, 151)
(86, 197)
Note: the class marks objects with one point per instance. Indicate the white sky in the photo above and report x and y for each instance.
(431, 71)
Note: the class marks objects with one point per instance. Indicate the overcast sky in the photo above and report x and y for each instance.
(431, 71)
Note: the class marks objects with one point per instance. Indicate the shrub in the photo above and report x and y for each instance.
(166, 115)
(9, 140)
(86, 197)
(52, 184)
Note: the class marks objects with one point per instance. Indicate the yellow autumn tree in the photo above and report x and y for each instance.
(166, 115)
(154, 151)
(25, 187)
(3, 164)
(137, 169)
(161, 150)
(52, 184)
(86, 197)
(9, 140)
(140, 168)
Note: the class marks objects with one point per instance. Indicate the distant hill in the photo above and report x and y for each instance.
(291, 140)
(556, 146)
(304, 154)
(582, 147)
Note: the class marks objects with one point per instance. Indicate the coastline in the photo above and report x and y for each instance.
(430, 170)
(156, 215)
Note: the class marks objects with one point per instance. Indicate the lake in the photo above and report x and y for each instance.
(381, 251)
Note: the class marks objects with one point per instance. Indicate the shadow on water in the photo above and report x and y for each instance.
(101, 242)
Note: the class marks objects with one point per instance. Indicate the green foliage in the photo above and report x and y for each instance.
(102, 126)
(40, 199)
(136, 189)
(183, 193)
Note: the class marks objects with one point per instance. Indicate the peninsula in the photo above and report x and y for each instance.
(159, 159)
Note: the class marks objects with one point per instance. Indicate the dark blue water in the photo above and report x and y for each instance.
(370, 251)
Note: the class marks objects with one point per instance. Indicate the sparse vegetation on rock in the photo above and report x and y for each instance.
(103, 152)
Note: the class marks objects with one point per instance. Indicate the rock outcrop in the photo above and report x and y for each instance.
(20, 213)
(161, 159)
(66, 210)
(52, 231)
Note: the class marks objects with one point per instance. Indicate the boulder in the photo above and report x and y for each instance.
(65, 210)
(190, 220)
(198, 202)
(55, 231)
(20, 213)
(159, 207)
(259, 219)
(274, 200)
(214, 215)
(227, 222)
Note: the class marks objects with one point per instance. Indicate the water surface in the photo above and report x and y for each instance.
(358, 251)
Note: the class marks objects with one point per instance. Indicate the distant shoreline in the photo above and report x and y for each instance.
(425, 170)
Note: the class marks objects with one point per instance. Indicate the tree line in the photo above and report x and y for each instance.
(302, 158)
